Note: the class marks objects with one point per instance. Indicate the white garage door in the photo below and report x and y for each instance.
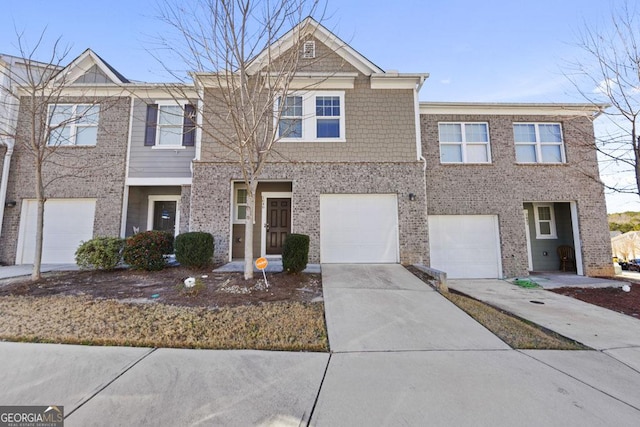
(358, 228)
(67, 222)
(465, 246)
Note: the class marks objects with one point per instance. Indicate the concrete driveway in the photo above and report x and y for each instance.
(401, 355)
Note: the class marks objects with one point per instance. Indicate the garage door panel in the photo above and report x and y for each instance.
(67, 222)
(358, 228)
(465, 246)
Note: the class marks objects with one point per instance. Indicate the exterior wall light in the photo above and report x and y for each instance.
(412, 197)
(11, 204)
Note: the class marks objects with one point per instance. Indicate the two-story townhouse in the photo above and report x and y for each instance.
(83, 167)
(357, 188)
(370, 174)
(507, 184)
(159, 159)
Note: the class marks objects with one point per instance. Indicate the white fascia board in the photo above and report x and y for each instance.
(397, 81)
(81, 65)
(148, 182)
(312, 27)
(530, 109)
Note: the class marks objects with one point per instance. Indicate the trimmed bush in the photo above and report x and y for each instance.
(194, 249)
(295, 253)
(102, 253)
(146, 250)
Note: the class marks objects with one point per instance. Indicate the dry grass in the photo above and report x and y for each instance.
(81, 320)
(513, 331)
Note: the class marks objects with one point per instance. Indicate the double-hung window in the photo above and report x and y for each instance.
(170, 125)
(538, 143)
(545, 221)
(73, 124)
(464, 143)
(241, 205)
(311, 116)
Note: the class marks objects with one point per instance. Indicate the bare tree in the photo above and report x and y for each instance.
(609, 73)
(242, 73)
(38, 119)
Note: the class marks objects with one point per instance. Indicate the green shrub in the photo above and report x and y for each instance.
(100, 253)
(194, 249)
(295, 253)
(146, 250)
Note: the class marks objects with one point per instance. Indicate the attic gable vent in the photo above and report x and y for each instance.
(309, 49)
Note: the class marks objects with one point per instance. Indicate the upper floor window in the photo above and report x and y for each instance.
(538, 143)
(73, 124)
(312, 116)
(464, 143)
(170, 125)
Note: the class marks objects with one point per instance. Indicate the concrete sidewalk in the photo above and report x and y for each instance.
(9, 271)
(594, 326)
(401, 355)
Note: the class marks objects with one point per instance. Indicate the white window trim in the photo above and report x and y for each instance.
(552, 221)
(464, 143)
(309, 118)
(159, 198)
(236, 220)
(166, 103)
(73, 124)
(538, 144)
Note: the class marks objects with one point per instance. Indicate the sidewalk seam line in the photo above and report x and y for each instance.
(102, 388)
(584, 382)
(315, 402)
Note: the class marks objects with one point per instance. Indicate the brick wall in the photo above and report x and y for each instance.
(211, 192)
(501, 188)
(80, 172)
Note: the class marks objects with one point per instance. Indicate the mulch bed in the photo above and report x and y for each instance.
(167, 286)
(612, 298)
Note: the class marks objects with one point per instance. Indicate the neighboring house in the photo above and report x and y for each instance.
(14, 71)
(370, 174)
(626, 246)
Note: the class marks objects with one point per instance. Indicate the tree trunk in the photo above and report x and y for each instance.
(36, 274)
(248, 229)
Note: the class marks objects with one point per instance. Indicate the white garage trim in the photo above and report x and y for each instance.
(67, 222)
(465, 246)
(359, 228)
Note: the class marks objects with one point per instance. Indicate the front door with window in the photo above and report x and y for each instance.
(164, 215)
(278, 224)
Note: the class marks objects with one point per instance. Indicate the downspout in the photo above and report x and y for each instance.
(5, 179)
(416, 108)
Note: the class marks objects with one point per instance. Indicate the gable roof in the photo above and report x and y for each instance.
(83, 63)
(312, 27)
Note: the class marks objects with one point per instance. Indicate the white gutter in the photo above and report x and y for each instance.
(416, 109)
(5, 178)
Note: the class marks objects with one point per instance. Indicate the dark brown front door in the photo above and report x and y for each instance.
(278, 224)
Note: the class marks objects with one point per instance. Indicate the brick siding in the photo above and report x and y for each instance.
(501, 188)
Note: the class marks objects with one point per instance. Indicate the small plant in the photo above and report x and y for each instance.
(194, 249)
(146, 250)
(191, 286)
(102, 253)
(295, 253)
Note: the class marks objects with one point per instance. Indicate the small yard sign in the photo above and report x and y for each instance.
(261, 264)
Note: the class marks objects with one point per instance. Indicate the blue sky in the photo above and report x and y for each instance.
(491, 50)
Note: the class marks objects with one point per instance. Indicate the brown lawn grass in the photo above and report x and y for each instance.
(292, 326)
